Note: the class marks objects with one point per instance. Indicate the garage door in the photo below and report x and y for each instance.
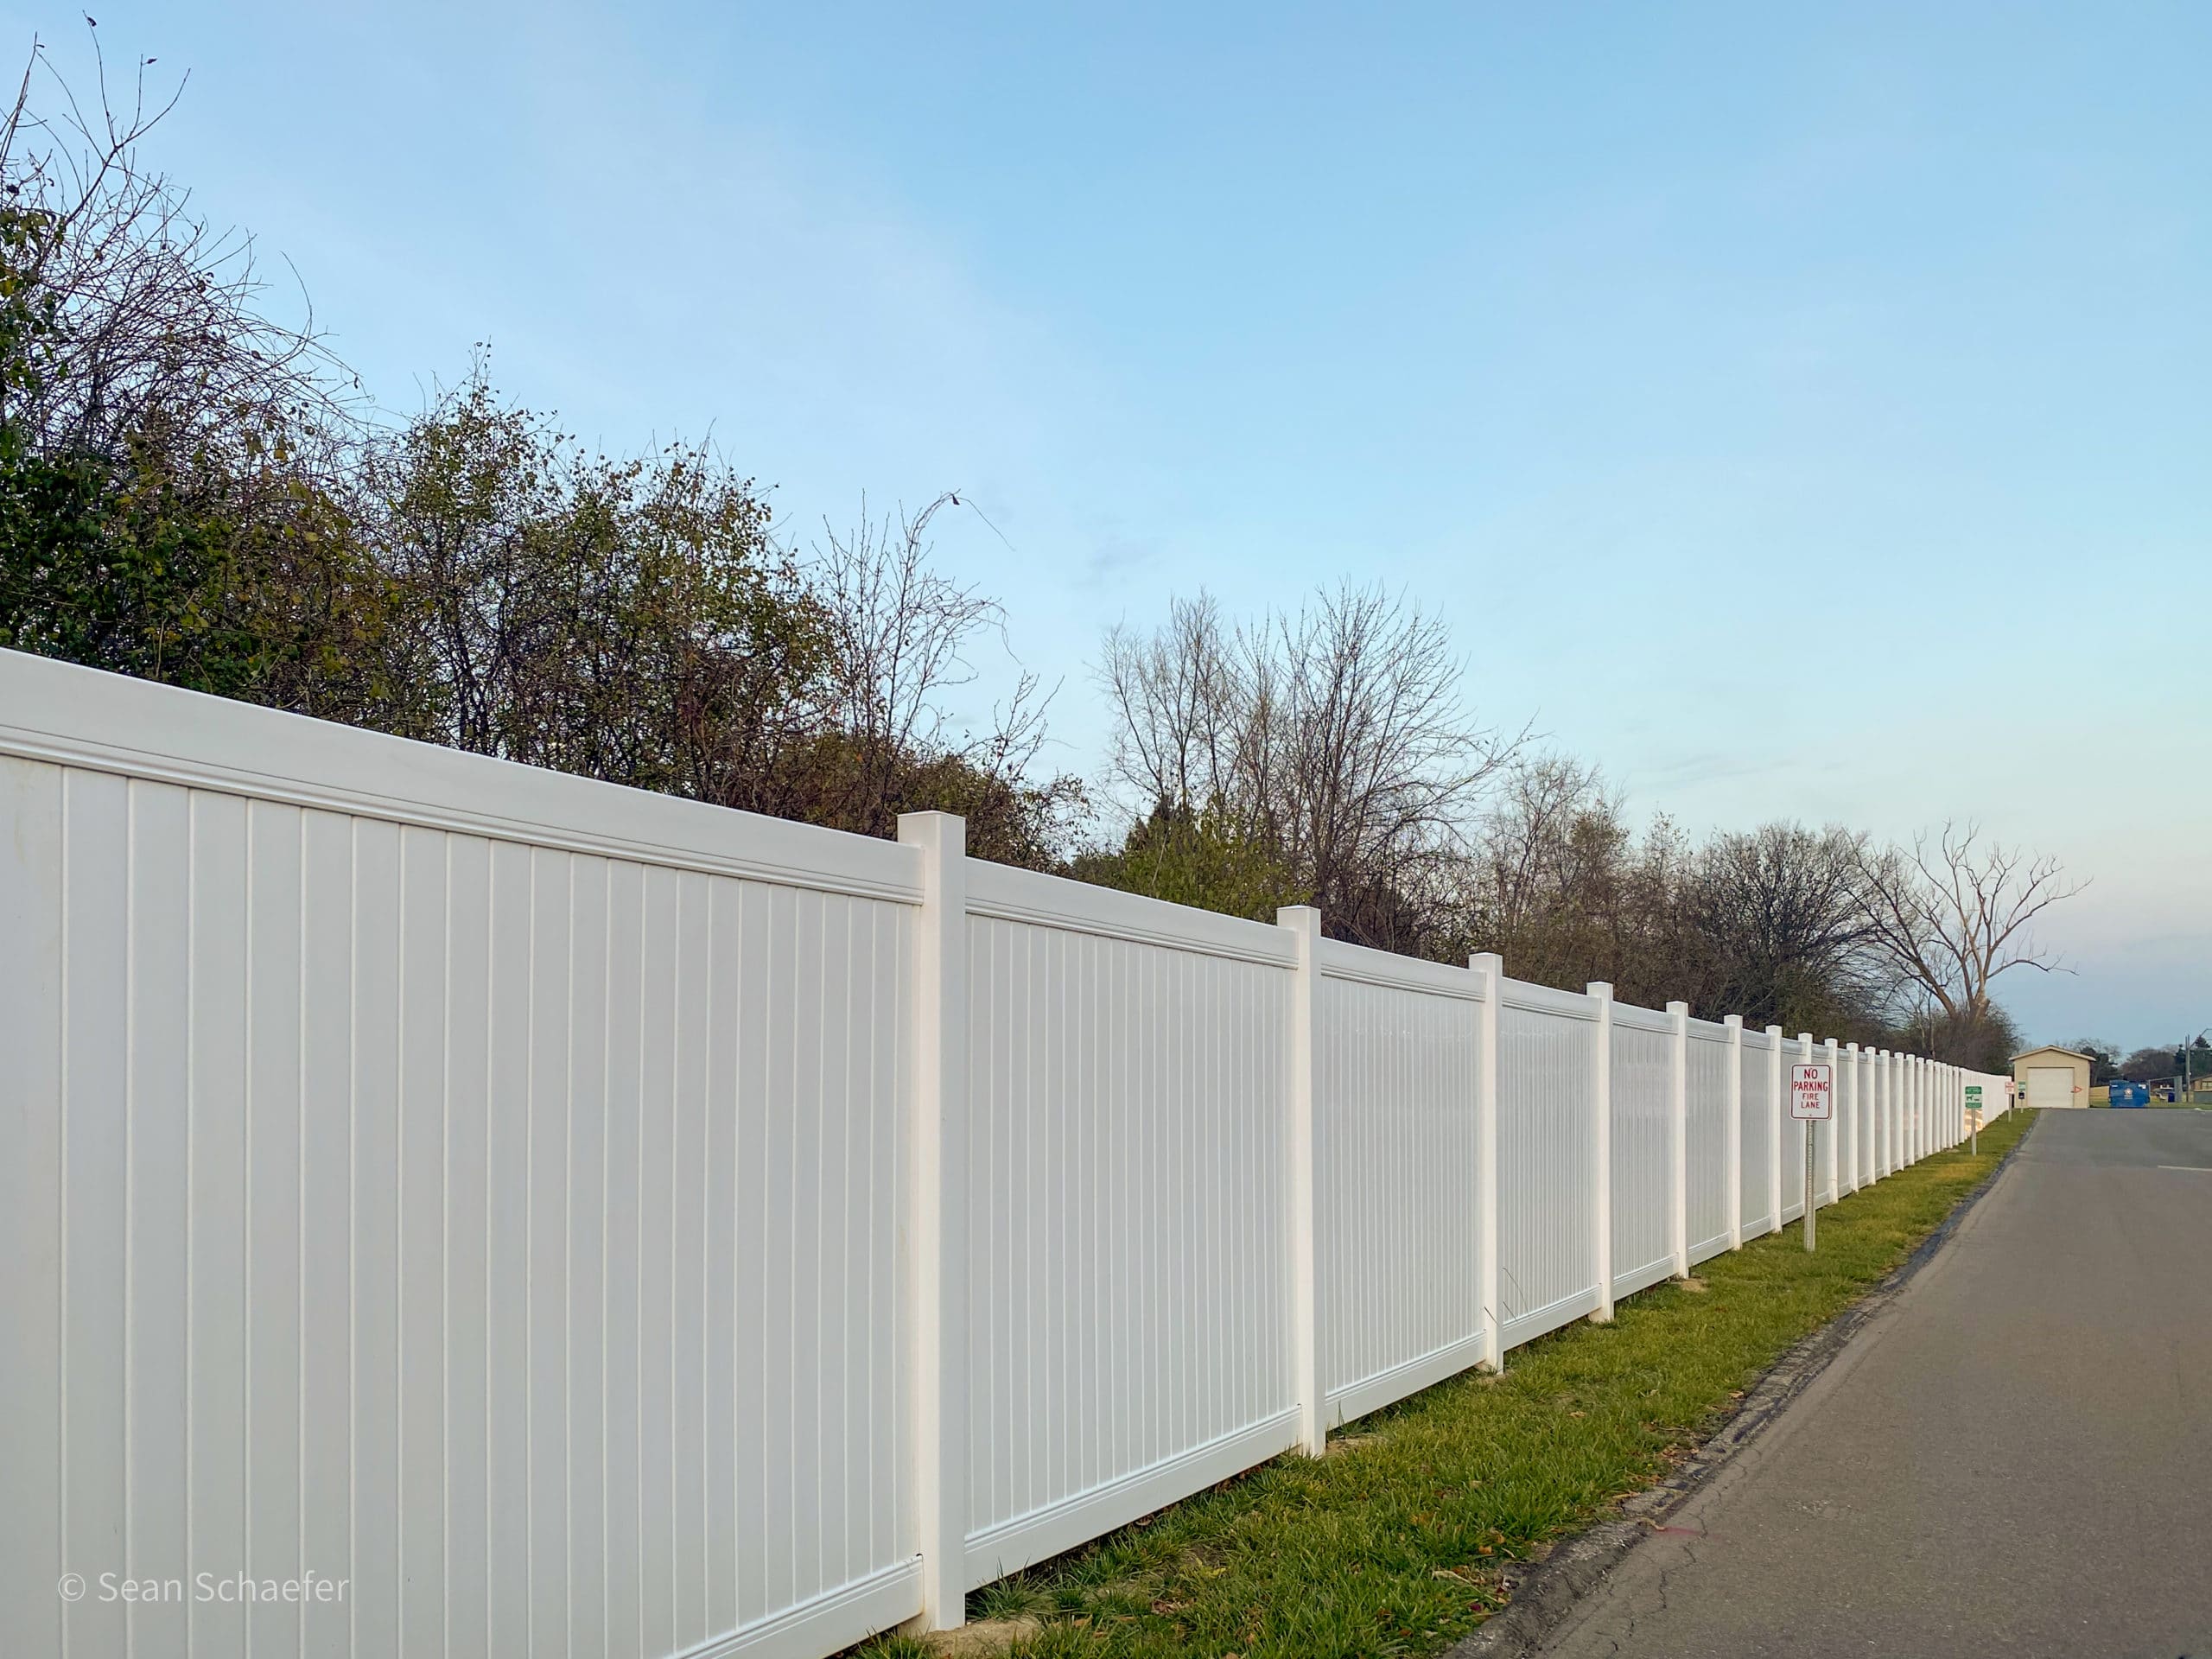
(2050, 1085)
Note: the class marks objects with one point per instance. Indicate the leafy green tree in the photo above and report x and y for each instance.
(2104, 1059)
(169, 506)
(190, 492)
(626, 619)
(2150, 1065)
(1198, 859)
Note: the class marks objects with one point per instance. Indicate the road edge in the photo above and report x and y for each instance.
(1545, 1592)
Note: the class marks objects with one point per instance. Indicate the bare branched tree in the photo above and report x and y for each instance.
(1177, 700)
(1792, 941)
(1956, 911)
(1552, 823)
(1335, 738)
(899, 629)
(900, 632)
(151, 325)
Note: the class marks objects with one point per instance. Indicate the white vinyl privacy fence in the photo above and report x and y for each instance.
(578, 1220)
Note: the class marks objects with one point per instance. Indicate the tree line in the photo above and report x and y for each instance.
(1325, 756)
(194, 493)
(2108, 1062)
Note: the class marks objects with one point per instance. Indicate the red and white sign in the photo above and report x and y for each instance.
(1812, 1090)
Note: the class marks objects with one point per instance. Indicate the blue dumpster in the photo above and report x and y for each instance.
(2131, 1094)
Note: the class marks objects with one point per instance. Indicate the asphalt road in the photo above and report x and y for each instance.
(2014, 1457)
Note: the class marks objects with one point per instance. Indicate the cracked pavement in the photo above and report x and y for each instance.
(2014, 1456)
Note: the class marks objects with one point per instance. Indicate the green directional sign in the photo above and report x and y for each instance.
(1973, 1097)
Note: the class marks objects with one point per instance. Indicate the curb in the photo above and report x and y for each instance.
(1544, 1593)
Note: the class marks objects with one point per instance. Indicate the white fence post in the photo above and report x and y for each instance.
(1851, 1162)
(1678, 1136)
(1907, 1080)
(1832, 1154)
(1601, 1092)
(1811, 1133)
(1732, 1157)
(1881, 1082)
(1878, 1079)
(1875, 1166)
(1490, 969)
(1888, 1160)
(1774, 1124)
(940, 1210)
(1304, 923)
(1889, 1112)
(1869, 1097)
(1898, 1082)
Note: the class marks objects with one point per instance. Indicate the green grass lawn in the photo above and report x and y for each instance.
(2201, 1100)
(1391, 1545)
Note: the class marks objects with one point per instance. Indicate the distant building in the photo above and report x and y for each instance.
(2052, 1075)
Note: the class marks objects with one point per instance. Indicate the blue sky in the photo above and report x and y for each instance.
(1760, 392)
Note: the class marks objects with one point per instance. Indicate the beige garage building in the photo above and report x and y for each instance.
(2052, 1075)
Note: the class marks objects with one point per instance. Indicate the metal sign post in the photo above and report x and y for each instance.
(1973, 1118)
(1812, 1097)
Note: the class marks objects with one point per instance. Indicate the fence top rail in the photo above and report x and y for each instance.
(1636, 1018)
(74, 716)
(1338, 959)
(1708, 1031)
(1006, 893)
(1542, 999)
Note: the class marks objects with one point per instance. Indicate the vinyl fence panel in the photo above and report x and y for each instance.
(1548, 1272)
(1128, 1316)
(512, 1228)
(1641, 1070)
(1757, 1133)
(1395, 1065)
(1710, 1057)
(1793, 1135)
